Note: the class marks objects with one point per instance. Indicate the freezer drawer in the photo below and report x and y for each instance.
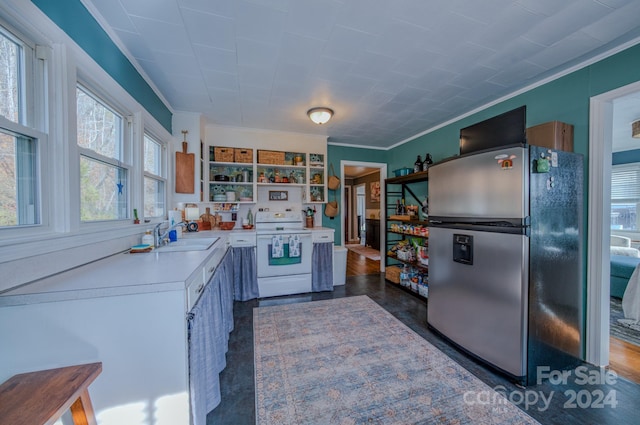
(485, 185)
(478, 294)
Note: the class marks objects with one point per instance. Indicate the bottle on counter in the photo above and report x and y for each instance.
(147, 238)
(417, 166)
(250, 217)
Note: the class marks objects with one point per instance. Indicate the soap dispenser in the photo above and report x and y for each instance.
(147, 238)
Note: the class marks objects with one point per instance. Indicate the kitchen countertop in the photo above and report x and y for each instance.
(120, 274)
(124, 274)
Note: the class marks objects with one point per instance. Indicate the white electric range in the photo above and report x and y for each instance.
(284, 248)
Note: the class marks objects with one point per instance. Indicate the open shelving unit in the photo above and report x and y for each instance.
(404, 227)
(258, 168)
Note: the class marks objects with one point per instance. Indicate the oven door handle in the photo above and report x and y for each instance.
(303, 235)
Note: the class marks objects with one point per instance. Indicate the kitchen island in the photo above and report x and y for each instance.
(128, 311)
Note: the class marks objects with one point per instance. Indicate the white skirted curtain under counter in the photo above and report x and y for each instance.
(210, 321)
(322, 267)
(245, 276)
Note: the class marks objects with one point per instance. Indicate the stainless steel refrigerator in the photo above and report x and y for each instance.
(505, 257)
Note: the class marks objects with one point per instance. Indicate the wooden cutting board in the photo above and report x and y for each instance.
(185, 168)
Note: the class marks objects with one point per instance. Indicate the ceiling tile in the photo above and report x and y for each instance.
(166, 11)
(345, 43)
(621, 20)
(563, 51)
(216, 7)
(163, 37)
(216, 59)
(260, 23)
(210, 30)
(256, 54)
(220, 80)
(566, 22)
(312, 18)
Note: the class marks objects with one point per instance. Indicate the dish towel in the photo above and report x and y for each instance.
(294, 246)
(277, 248)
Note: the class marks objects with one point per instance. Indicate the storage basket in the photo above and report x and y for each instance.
(243, 155)
(223, 154)
(334, 181)
(392, 274)
(270, 157)
(331, 209)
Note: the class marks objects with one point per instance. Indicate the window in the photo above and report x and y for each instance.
(19, 144)
(103, 176)
(10, 78)
(154, 182)
(625, 196)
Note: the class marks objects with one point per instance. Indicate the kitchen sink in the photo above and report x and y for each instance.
(188, 244)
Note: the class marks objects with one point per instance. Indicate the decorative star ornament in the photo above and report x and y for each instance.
(120, 186)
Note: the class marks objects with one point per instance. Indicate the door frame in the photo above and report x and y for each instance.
(599, 223)
(348, 200)
(382, 169)
(356, 203)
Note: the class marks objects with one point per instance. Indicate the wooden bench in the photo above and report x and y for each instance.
(41, 397)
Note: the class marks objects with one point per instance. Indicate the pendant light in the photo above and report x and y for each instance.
(320, 115)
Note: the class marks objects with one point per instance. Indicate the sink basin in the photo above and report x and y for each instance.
(188, 244)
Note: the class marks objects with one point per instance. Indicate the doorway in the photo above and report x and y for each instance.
(604, 125)
(363, 215)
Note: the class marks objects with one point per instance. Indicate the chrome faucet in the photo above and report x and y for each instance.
(160, 238)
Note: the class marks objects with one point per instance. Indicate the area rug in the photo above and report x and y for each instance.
(365, 251)
(348, 361)
(618, 327)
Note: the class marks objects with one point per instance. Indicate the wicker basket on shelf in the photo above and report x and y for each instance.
(392, 274)
(243, 155)
(223, 154)
(270, 157)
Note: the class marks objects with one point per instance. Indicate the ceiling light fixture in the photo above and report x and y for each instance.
(635, 129)
(320, 115)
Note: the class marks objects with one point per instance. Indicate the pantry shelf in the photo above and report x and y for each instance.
(407, 233)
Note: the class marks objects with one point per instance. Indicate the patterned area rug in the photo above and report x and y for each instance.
(348, 361)
(370, 253)
(618, 328)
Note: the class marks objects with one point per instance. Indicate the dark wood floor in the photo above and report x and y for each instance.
(237, 381)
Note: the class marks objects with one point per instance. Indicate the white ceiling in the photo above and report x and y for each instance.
(355, 171)
(389, 69)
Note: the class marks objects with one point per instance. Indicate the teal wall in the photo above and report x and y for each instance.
(335, 154)
(74, 19)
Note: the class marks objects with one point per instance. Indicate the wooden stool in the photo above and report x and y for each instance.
(41, 397)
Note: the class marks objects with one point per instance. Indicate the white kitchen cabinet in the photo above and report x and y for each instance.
(141, 340)
(128, 311)
(284, 169)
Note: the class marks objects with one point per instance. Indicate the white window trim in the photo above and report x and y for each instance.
(157, 177)
(31, 124)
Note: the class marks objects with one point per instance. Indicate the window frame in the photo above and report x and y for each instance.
(633, 167)
(126, 145)
(162, 177)
(32, 119)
